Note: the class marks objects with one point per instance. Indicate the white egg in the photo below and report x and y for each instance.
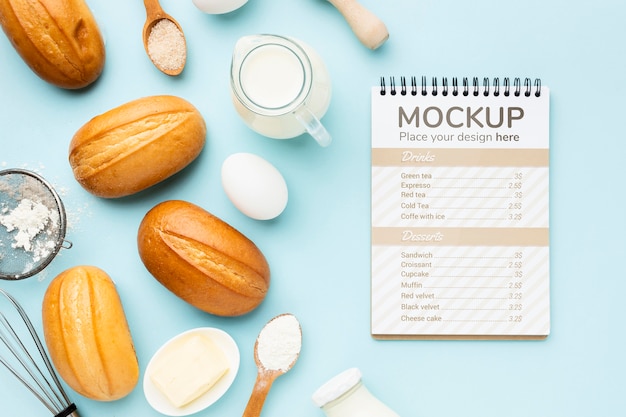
(254, 186)
(218, 6)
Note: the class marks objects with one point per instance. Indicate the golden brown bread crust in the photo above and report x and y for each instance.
(202, 259)
(136, 145)
(87, 334)
(58, 39)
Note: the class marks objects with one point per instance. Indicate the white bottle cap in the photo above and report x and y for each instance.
(336, 387)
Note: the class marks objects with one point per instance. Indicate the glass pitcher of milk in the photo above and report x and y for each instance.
(280, 87)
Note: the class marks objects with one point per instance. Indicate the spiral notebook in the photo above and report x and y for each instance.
(460, 209)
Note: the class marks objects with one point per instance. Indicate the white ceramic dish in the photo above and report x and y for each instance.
(161, 404)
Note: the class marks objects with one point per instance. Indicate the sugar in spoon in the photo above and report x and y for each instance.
(164, 40)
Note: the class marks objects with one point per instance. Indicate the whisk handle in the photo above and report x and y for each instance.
(70, 411)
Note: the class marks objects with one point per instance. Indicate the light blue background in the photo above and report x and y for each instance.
(318, 248)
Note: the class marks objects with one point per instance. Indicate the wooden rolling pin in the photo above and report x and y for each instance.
(367, 27)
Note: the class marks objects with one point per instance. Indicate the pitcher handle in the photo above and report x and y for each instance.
(313, 126)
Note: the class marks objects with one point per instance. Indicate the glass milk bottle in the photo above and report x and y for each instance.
(346, 396)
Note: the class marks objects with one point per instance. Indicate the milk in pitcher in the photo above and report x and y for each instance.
(274, 79)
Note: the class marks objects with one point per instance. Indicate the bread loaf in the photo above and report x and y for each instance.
(202, 259)
(136, 145)
(87, 334)
(58, 39)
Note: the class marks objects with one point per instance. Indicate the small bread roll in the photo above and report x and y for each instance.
(136, 145)
(58, 39)
(202, 259)
(87, 334)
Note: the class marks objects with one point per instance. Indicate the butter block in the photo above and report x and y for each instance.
(189, 369)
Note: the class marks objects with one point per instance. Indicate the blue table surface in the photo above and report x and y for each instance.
(319, 247)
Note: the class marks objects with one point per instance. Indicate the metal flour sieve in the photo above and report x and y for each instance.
(32, 224)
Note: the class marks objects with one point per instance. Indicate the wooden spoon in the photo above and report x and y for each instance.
(266, 377)
(154, 14)
(368, 28)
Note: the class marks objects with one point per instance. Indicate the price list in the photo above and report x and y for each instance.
(461, 250)
(460, 242)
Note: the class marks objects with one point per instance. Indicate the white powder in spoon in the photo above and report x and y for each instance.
(279, 343)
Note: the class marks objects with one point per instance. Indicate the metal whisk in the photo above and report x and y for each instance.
(23, 354)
